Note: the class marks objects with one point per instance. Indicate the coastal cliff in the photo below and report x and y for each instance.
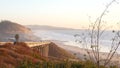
(9, 29)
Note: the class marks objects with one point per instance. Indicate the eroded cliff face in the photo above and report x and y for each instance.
(53, 51)
(8, 30)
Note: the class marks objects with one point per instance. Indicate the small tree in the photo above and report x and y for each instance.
(96, 31)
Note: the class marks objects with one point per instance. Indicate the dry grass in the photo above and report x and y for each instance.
(11, 55)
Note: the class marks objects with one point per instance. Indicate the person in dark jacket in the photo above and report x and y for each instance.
(16, 39)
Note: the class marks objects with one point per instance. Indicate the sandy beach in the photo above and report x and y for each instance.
(82, 54)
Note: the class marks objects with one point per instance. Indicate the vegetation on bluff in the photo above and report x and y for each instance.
(22, 56)
(11, 55)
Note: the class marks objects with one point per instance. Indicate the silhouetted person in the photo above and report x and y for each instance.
(16, 39)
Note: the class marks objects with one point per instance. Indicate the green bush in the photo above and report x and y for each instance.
(66, 64)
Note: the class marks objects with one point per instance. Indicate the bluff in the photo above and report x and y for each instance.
(8, 30)
(11, 27)
(13, 56)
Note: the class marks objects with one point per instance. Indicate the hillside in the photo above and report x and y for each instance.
(8, 30)
(11, 27)
(12, 55)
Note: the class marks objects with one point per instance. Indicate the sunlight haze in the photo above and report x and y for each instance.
(63, 13)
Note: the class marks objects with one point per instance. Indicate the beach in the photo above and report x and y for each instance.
(81, 53)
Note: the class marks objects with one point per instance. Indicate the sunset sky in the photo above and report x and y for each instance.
(63, 13)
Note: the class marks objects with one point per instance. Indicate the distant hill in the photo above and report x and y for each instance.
(46, 27)
(11, 27)
(8, 30)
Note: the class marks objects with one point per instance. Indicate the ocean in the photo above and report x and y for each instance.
(67, 37)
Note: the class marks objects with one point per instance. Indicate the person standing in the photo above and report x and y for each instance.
(16, 39)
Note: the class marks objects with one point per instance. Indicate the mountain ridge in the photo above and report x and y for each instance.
(47, 27)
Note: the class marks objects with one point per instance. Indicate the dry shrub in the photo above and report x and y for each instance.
(12, 55)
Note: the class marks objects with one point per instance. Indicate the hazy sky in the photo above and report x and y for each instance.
(63, 13)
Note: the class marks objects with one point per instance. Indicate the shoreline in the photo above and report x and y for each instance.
(81, 54)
